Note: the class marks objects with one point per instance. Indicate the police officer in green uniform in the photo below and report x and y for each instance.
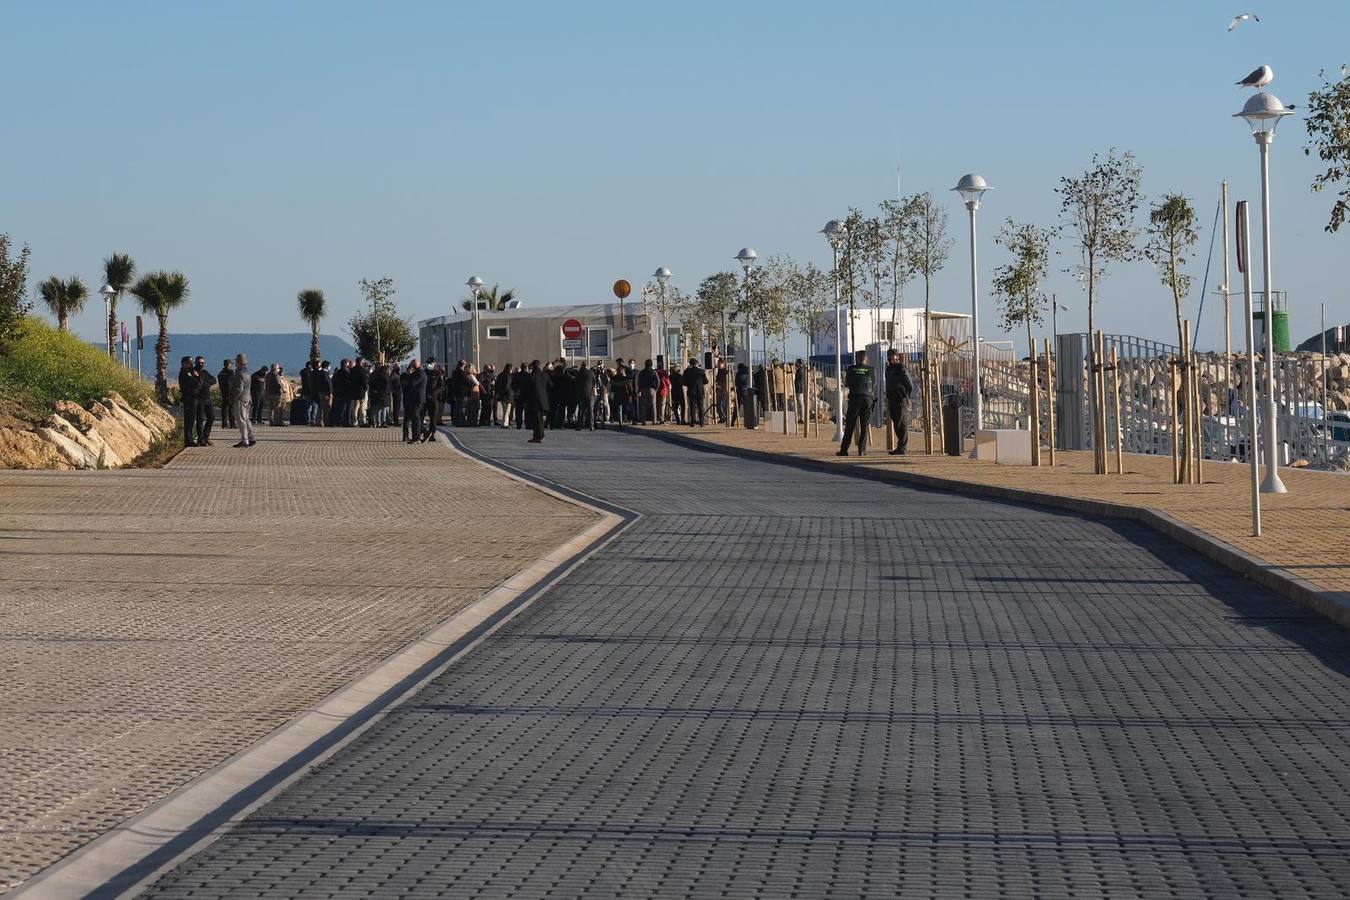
(861, 386)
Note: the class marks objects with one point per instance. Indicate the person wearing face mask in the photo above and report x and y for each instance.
(205, 410)
(188, 380)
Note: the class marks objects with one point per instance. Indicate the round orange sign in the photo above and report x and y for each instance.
(622, 289)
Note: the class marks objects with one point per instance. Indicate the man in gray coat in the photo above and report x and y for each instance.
(239, 394)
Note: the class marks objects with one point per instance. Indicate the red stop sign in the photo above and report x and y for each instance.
(571, 329)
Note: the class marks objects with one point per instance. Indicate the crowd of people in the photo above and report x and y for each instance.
(419, 395)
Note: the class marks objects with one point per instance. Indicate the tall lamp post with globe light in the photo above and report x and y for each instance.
(971, 188)
(747, 258)
(835, 231)
(663, 276)
(475, 284)
(108, 292)
(1263, 112)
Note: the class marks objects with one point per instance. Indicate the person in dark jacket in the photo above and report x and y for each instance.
(204, 408)
(502, 388)
(436, 389)
(379, 396)
(307, 390)
(585, 389)
(414, 384)
(695, 379)
(861, 384)
(224, 378)
(557, 394)
(487, 388)
(536, 401)
(323, 386)
(648, 384)
(677, 398)
(899, 388)
(621, 388)
(761, 391)
(339, 416)
(457, 385)
(188, 381)
(520, 383)
(395, 395)
(257, 385)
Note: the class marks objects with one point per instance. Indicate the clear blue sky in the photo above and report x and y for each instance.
(264, 147)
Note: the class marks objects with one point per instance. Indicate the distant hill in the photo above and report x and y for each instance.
(291, 350)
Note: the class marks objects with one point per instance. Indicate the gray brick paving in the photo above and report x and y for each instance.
(790, 684)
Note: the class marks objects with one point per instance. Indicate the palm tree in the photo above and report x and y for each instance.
(312, 308)
(64, 298)
(495, 299)
(160, 292)
(118, 271)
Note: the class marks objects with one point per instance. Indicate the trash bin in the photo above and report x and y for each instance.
(951, 425)
(749, 410)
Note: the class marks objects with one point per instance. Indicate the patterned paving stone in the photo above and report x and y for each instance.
(154, 622)
(789, 684)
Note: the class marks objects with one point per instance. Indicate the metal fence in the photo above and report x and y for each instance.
(1148, 400)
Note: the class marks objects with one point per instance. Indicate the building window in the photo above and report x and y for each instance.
(885, 331)
(498, 332)
(599, 340)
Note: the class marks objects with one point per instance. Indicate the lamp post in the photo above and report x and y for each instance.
(835, 232)
(476, 285)
(747, 258)
(971, 188)
(108, 292)
(662, 276)
(1263, 112)
(1055, 308)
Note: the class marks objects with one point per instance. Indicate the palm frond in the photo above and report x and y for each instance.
(175, 290)
(312, 304)
(161, 291)
(118, 271)
(146, 290)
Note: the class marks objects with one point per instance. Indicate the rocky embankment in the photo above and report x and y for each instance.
(108, 434)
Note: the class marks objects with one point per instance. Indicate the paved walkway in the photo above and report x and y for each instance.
(153, 622)
(780, 683)
(1306, 532)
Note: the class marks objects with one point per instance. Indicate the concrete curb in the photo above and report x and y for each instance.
(1333, 605)
(131, 856)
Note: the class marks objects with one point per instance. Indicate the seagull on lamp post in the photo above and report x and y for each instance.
(1259, 78)
(1242, 17)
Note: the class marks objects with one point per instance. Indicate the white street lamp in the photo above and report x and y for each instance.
(663, 276)
(1055, 309)
(747, 258)
(108, 292)
(1263, 112)
(971, 188)
(835, 231)
(476, 285)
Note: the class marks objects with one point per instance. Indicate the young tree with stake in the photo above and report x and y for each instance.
(1172, 235)
(1018, 283)
(929, 246)
(1097, 212)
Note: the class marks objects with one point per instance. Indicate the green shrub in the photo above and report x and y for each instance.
(46, 365)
